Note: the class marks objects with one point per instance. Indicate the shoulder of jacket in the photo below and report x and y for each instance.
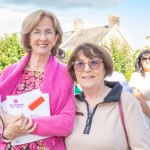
(8, 70)
(128, 99)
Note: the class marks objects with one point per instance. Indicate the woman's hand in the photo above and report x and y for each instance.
(138, 94)
(7, 118)
(20, 125)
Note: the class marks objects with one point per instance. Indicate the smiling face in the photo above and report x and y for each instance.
(89, 78)
(42, 45)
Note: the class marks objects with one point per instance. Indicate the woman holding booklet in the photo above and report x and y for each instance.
(41, 35)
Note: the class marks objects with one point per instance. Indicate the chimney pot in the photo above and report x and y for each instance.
(148, 42)
(113, 20)
(78, 24)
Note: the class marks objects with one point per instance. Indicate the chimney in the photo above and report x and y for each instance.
(113, 20)
(148, 42)
(78, 24)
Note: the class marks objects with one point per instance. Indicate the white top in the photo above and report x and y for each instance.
(117, 76)
(141, 83)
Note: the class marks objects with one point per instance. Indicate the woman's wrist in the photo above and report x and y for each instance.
(6, 140)
(7, 135)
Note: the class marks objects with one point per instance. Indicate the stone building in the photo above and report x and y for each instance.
(102, 35)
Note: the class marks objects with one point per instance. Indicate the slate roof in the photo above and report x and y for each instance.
(94, 35)
(66, 35)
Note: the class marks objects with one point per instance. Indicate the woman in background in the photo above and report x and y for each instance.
(140, 82)
(41, 35)
(98, 124)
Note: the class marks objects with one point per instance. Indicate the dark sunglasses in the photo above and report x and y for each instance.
(93, 64)
(144, 59)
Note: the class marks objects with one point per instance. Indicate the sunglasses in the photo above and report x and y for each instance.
(144, 59)
(93, 64)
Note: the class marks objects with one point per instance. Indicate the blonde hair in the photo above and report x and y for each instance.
(31, 21)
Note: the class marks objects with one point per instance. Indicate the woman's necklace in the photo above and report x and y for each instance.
(34, 69)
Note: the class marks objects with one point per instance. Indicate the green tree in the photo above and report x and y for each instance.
(135, 55)
(68, 53)
(10, 50)
(123, 58)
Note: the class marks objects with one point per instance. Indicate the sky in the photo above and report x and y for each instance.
(133, 14)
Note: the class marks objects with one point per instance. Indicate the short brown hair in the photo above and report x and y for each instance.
(31, 21)
(91, 50)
